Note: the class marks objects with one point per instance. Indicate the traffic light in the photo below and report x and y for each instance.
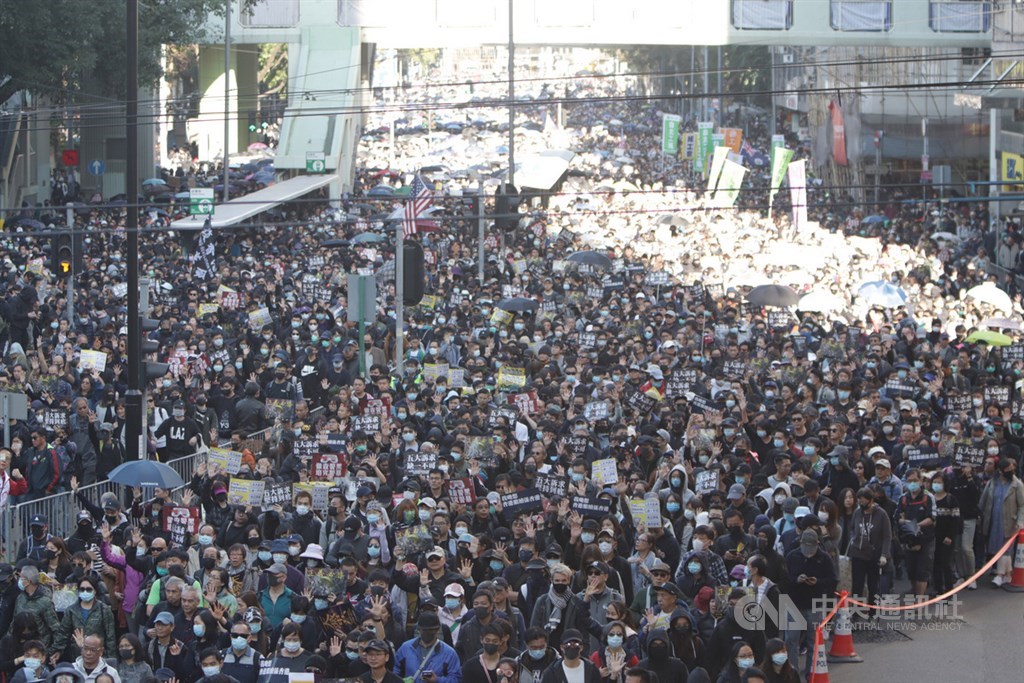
(506, 206)
(252, 122)
(414, 274)
(150, 370)
(62, 255)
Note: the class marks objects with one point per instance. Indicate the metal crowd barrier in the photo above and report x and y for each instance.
(61, 508)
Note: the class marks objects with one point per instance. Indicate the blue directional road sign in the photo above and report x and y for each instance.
(96, 167)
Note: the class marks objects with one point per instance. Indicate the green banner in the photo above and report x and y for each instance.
(781, 157)
(729, 184)
(704, 132)
(670, 124)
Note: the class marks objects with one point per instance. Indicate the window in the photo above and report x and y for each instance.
(861, 15)
(762, 15)
(270, 13)
(955, 16)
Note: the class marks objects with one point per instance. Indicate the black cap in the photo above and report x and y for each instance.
(571, 634)
(669, 587)
(428, 620)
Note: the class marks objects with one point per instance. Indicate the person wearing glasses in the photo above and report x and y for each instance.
(240, 660)
(380, 660)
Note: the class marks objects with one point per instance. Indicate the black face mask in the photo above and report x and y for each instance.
(253, 542)
(207, 563)
(865, 505)
(560, 588)
(658, 653)
(571, 652)
(736, 531)
(490, 648)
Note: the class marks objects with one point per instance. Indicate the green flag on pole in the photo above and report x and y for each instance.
(780, 162)
(670, 124)
(704, 132)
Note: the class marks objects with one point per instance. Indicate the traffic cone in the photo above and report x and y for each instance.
(1016, 584)
(842, 636)
(819, 669)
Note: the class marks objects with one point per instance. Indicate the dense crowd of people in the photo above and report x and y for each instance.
(585, 487)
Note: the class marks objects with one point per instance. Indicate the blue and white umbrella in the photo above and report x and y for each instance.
(882, 294)
(146, 473)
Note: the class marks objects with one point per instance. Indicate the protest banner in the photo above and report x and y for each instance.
(575, 445)
(520, 501)
(224, 460)
(327, 467)
(418, 462)
(461, 491)
(652, 504)
(276, 494)
(318, 489)
(413, 540)
(604, 472)
(552, 485)
(596, 410)
(706, 482)
(590, 506)
(181, 523)
(924, 457)
(966, 454)
(511, 378)
(481, 449)
(245, 491)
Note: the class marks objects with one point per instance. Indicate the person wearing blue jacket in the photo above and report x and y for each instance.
(426, 659)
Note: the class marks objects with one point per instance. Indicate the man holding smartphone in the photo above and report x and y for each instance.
(426, 659)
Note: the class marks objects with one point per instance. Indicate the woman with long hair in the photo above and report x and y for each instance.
(133, 665)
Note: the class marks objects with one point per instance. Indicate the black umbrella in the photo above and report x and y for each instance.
(773, 295)
(590, 258)
(518, 305)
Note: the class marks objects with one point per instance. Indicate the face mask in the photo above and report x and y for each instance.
(938, 487)
(459, 530)
(976, 402)
(496, 565)
(769, 395)
(778, 443)
(456, 456)
(698, 544)
(992, 450)
(302, 509)
(199, 630)
(298, 618)
(86, 596)
(372, 519)
(125, 653)
(140, 551)
(255, 627)
(913, 486)
(587, 537)
(808, 450)
(408, 437)
(292, 646)
(703, 459)
(788, 516)
(729, 403)
(833, 461)
(280, 557)
(560, 588)
(676, 482)
(538, 655)
(615, 641)
(780, 658)
(577, 477)
(373, 551)
(745, 663)
(263, 556)
(451, 604)
(161, 571)
(693, 567)
(687, 513)
(672, 507)
(424, 515)
(571, 652)
(658, 653)
(443, 468)
(823, 516)
(205, 539)
(605, 547)
(31, 663)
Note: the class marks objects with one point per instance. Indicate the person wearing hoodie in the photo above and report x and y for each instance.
(677, 485)
(695, 576)
(728, 632)
(537, 656)
(687, 644)
(741, 659)
(660, 658)
(777, 570)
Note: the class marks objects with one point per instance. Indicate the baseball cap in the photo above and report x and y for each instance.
(164, 618)
(736, 491)
(809, 542)
(436, 551)
(882, 462)
(277, 568)
(669, 587)
(428, 620)
(571, 635)
(455, 589)
(39, 520)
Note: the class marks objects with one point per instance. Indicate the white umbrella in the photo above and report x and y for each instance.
(988, 293)
(821, 301)
(1001, 323)
(945, 237)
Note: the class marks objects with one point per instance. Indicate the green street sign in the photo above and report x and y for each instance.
(315, 162)
(201, 201)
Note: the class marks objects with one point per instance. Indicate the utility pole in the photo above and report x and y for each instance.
(481, 227)
(511, 98)
(71, 283)
(134, 440)
(227, 91)
(400, 293)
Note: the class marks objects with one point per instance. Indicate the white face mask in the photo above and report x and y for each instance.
(698, 544)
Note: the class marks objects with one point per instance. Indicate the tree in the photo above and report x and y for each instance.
(60, 48)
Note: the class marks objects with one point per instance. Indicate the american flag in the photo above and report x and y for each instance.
(420, 199)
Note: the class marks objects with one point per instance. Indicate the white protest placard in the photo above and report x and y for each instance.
(92, 360)
(605, 472)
